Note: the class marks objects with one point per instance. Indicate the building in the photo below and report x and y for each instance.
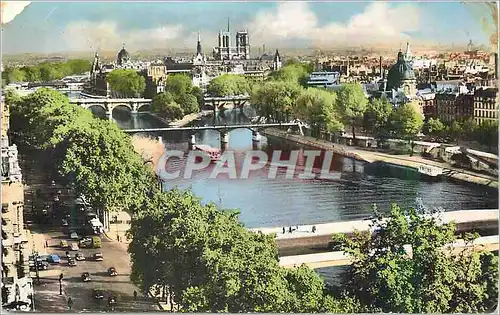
(155, 76)
(17, 285)
(451, 106)
(225, 51)
(123, 57)
(323, 79)
(401, 76)
(486, 101)
(276, 61)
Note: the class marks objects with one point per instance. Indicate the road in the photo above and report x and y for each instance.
(121, 287)
(39, 192)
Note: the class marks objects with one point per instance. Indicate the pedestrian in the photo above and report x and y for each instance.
(283, 230)
(135, 295)
(314, 229)
(290, 230)
(70, 303)
(46, 243)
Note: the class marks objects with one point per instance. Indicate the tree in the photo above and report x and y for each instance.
(407, 122)
(275, 99)
(188, 103)
(435, 127)
(161, 101)
(386, 277)
(15, 75)
(198, 93)
(126, 82)
(178, 84)
(352, 104)
(318, 107)
(376, 117)
(228, 85)
(294, 72)
(487, 133)
(32, 74)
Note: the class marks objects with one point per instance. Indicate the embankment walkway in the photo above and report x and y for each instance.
(371, 157)
(339, 258)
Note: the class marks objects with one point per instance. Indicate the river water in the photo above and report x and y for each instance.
(265, 202)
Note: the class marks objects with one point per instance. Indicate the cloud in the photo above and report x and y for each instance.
(86, 36)
(379, 23)
(10, 9)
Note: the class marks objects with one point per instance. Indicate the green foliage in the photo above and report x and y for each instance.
(95, 155)
(187, 96)
(407, 121)
(293, 72)
(435, 127)
(318, 106)
(126, 82)
(487, 133)
(352, 104)
(275, 99)
(228, 85)
(163, 104)
(45, 71)
(387, 276)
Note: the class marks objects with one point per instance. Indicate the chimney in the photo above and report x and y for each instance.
(380, 65)
(496, 66)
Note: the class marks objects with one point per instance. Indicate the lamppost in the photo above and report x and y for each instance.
(60, 283)
(36, 268)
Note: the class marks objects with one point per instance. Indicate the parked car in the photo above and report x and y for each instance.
(112, 272)
(42, 265)
(86, 242)
(71, 262)
(86, 277)
(53, 259)
(64, 244)
(97, 294)
(79, 256)
(74, 246)
(97, 257)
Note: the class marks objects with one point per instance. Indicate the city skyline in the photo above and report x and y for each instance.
(49, 27)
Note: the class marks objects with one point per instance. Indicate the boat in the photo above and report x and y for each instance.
(213, 153)
(430, 172)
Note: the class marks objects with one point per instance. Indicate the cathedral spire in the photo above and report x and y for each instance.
(198, 45)
(228, 24)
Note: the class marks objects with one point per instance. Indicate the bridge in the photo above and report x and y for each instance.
(108, 104)
(223, 129)
(302, 237)
(217, 103)
(340, 258)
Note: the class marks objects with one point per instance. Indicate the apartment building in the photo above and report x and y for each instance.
(486, 101)
(17, 286)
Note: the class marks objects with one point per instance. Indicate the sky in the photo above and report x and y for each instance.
(46, 27)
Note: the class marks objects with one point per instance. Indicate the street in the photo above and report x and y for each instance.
(43, 215)
(80, 292)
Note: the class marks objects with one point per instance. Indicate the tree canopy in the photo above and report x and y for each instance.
(45, 71)
(275, 99)
(229, 85)
(126, 83)
(187, 96)
(319, 107)
(165, 106)
(405, 267)
(352, 104)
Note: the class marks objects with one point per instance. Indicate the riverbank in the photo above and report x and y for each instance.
(400, 160)
(184, 120)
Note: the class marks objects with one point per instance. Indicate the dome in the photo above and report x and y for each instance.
(123, 56)
(402, 70)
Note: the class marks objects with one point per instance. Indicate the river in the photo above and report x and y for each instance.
(265, 202)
